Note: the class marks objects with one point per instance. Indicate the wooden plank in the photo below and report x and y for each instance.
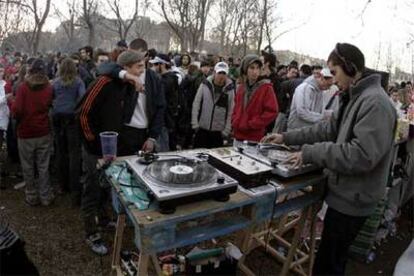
(191, 210)
(119, 233)
(169, 238)
(143, 263)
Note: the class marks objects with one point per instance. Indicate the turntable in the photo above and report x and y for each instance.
(275, 156)
(182, 177)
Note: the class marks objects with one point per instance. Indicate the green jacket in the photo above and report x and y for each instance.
(355, 151)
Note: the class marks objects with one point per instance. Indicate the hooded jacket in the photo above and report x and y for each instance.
(254, 109)
(307, 105)
(31, 107)
(213, 112)
(355, 147)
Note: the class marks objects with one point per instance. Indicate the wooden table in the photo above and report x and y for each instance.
(156, 232)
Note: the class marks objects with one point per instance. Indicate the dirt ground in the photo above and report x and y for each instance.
(54, 240)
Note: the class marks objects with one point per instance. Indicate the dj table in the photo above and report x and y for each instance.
(195, 222)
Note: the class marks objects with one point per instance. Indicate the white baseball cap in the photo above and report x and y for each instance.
(221, 67)
(157, 59)
(326, 73)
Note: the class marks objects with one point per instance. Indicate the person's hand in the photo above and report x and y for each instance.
(149, 145)
(139, 87)
(273, 139)
(295, 160)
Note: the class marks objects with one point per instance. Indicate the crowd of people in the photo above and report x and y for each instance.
(55, 107)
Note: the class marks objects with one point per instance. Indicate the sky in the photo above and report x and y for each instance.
(384, 27)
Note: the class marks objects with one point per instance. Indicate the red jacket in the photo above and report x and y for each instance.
(31, 107)
(250, 122)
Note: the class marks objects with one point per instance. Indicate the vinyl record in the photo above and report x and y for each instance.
(181, 173)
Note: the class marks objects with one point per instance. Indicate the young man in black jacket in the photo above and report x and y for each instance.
(141, 129)
(105, 107)
(161, 64)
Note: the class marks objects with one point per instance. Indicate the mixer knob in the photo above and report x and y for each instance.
(220, 179)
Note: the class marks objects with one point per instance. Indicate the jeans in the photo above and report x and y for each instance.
(94, 197)
(163, 141)
(11, 139)
(35, 153)
(68, 151)
(339, 232)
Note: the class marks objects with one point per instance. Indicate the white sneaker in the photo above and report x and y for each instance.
(96, 244)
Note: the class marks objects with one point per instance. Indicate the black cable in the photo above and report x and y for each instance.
(267, 237)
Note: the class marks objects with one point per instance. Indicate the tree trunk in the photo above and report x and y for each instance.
(91, 36)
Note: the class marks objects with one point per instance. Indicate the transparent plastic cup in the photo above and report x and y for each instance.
(109, 141)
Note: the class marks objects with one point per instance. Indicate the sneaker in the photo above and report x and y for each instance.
(19, 185)
(48, 201)
(32, 202)
(96, 244)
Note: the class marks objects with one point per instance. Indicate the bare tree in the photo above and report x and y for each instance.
(187, 19)
(143, 24)
(122, 25)
(264, 8)
(11, 19)
(225, 11)
(39, 18)
(389, 61)
(378, 54)
(69, 21)
(89, 16)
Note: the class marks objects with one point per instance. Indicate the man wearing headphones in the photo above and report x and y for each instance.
(354, 147)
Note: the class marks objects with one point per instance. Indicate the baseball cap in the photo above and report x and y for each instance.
(161, 58)
(221, 67)
(326, 73)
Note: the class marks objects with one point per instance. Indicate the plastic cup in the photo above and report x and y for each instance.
(109, 141)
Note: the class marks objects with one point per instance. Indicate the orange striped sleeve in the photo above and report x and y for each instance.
(95, 90)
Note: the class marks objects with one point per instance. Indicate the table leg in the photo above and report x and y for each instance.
(120, 226)
(314, 219)
(156, 264)
(143, 264)
(295, 242)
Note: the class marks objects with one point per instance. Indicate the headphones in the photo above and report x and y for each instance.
(349, 67)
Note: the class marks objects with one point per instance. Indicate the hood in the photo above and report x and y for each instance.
(227, 86)
(247, 60)
(37, 81)
(312, 82)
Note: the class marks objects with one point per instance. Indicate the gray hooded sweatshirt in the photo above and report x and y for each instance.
(307, 105)
(355, 146)
(213, 111)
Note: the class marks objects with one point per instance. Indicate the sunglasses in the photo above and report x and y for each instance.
(157, 63)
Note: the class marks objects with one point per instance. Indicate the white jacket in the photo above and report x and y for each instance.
(4, 108)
